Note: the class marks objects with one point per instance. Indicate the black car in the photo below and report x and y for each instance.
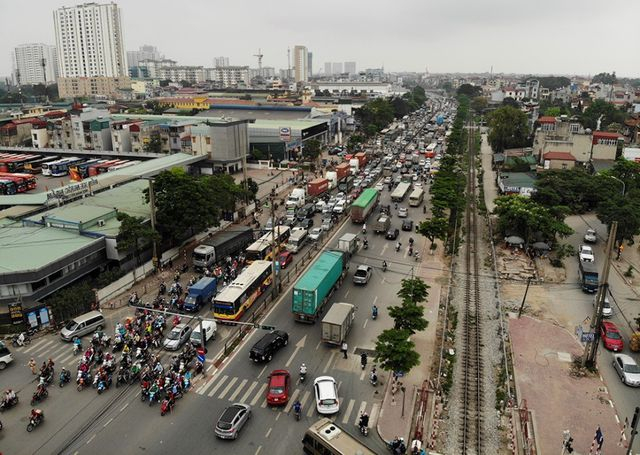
(407, 225)
(306, 223)
(392, 234)
(268, 345)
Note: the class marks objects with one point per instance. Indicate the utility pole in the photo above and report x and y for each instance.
(634, 429)
(274, 252)
(152, 203)
(591, 348)
(524, 297)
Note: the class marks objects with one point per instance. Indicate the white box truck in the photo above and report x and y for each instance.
(296, 198)
(337, 323)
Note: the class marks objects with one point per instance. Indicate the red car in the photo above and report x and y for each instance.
(285, 259)
(278, 390)
(611, 336)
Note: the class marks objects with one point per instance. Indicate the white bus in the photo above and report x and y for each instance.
(261, 249)
(242, 292)
(400, 192)
(327, 438)
(297, 239)
(416, 197)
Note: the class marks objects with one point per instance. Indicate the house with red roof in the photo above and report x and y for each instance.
(558, 160)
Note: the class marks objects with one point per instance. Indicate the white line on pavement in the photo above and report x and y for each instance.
(108, 422)
(268, 432)
(347, 414)
(328, 364)
(374, 413)
(292, 400)
(259, 394)
(227, 388)
(363, 406)
(218, 385)
(248, 392)
(237, 391)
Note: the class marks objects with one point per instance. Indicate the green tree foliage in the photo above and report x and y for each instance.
(608, 111)
(508, 101)
(604, 78)
(252, 187)
(434, 228)
(154, 145)
(395, 351)
(625, 210)
(526, 218)
(408, 316)
(554, 82)
(135, 234)
(155, 108)
(376, 114)
(355, 140)
(479, 104)
(469, 90)
(312, 149)
(509, 128)
(71, 301)
(554, 111)
(413, 290)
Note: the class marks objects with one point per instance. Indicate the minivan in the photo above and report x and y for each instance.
(209, 328)
(81, 325)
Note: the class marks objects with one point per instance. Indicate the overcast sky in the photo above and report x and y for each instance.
(541, 37)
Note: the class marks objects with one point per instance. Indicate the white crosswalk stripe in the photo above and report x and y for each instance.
(218, 385)
(227, 388)
(248, 392)
(373, 415)
(363, 406)
(203, 388)
(347, 414)
(37, 345)
(258, 395)
(237, 390)
(292, 400)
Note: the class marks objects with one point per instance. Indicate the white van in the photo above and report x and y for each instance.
(210, 330)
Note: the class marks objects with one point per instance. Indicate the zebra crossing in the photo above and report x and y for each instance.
(235, 389)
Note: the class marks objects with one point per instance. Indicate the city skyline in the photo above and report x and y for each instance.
(466, 37)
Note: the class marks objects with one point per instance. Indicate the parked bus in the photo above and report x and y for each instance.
(28, 179)
(400, 192)
(46, 167)
(7, 187)
(262, 249)
(16, 163)
(297, 239)
(35, 167)
(327, 438)
(84, 166)
(123, 165)
(588, 276)
(93, 169)
(416, 197)
(238, 296)
(61, 167)
(104, 167)
(21, 183)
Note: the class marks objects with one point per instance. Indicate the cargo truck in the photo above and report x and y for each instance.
(313, 289)
(296, 198)
(317, 187)
(348, 243)
(382, 224)
(343, 170)
(222, 244)
(364, 205)
(337, 323)
(200, 294)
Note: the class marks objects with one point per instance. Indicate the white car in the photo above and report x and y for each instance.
(326, 391)
(403, 212)
(339, 207)
(387, 180)
(380, 186)
(315, 234)
(585, 253)
(591, 236)
(625, 366)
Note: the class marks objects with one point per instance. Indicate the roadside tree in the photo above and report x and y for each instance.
(434, 228)
(509, 128)
(135, 234)
(395, 351)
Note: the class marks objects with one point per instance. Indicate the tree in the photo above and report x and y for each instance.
(509, 128)
(252, 188)
(554, 82)
(479, 104)
(470, 90)
(395, 351)
(186, 83)
(508, 101)
(71, 301)
(413, 290)
(625, 210)
(312, 149)
(154, 145)
(434, 228)
(408, 316)
(604, 78)
(600, 108)
(526, 218)
(135, 234)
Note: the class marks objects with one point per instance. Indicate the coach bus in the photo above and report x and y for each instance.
(24, 181)
(400, 192)
(327, 438)
(60, 168)
(35, 167)
(237, 297)
(15, 163)
(416, 197)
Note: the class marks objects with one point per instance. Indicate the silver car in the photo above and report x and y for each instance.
(232, 420)
(177, 337)
(362, 275)
(627, 369)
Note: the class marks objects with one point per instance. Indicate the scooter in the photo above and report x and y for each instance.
(365, 245)
(374, 313)
(166, 406)
(363, 361)
(4, 404)
(39, 395)
(364, 430)
(104, 385)
(373, 379)
(34, 422)
(65, 377)
(303, 376)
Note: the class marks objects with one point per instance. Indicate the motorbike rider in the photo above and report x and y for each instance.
(363, 359)
(365, 243)
(374, 311)
(303, 369)
(36, 415)
(9, 396)
(64, 373)
(297, 407)
(373, 377)
(364, 228)
(384, 265)
(20, 339)
(364, 420)
(398, 245)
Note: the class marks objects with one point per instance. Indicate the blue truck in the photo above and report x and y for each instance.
(200, 294)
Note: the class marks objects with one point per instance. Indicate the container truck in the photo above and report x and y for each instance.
(337, 323)
(317, 187)
(200, 294)
(362, 159)
(343, 170)
(348, 243)
(362, 207)
(354, 165)
(382, 224)
(313, 289)
(222, 244)
(346, 184)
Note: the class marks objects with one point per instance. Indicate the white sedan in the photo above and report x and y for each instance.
(585, 253)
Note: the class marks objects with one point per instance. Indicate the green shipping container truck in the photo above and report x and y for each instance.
(314, 288)
(363, 206)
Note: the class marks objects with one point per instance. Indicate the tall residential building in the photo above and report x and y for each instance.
(337, 68)
(300, 63)
(327, 68)
(219, 62)
(350, 67)
(89, 41)
(35, 63)
(310, 64)
(145, 52)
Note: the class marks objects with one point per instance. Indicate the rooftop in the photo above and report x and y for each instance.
(565, 156)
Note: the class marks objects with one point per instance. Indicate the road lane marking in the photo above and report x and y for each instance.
(375, 299)
(248, 392)
(268, 432)
(304, 399)
(363, 374)
(311, 409)
(364, 326)
(217, 386)
(259, 394)
(237, 391)
(299, 345)
(363, 406)
(91, 438)
(36, 346)
(292, 400)
(258, 450)
(318, 345)
(227, 388)
(261, 372)
(373, 416)
(346, 294)
(124, 407)
(328, 364)
(107, 423)
(347, 414)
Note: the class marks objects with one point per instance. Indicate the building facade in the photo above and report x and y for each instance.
(89, 41)
(300, 63)
(35, 63)
(350, 67)
(229, 76)
(98, 86)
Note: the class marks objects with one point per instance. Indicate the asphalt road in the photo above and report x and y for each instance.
(117, 421)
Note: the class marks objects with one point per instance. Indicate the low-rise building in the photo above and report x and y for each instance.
(559, 160)
(96, 87)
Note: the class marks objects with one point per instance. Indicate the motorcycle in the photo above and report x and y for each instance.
(297, 410)
(65, 377)
(384, 266)
(81, 381)
(47, 380)
(153, 396)
(16, 340)
(34, 422)
(166, 406)
(163, 288)
(365, 245)
(374, 313)
(144, 393)
(364, 430)
(303, 376)
(77, 347)
(198, 368)
(39, 395)
(373, 379)
(4, 404)
(104, 385)
(363, 361)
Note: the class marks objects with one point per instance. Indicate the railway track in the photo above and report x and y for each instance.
(472, 392)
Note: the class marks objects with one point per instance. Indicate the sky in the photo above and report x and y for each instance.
(512, 36)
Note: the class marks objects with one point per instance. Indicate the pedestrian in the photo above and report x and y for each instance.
(344, 349)
(32, 365)
(620, 250)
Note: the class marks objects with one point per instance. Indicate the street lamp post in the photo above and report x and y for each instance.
(624, 186)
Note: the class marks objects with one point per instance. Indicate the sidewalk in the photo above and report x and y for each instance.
(488, 176)
(559, 401)
(392, 422)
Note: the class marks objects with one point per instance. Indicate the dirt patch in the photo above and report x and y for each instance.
(538, 303)
(549, 273)
(514, 264)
